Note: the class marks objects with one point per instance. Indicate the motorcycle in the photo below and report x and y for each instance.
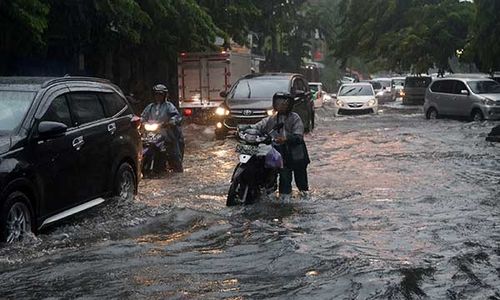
(154, 149)
(250, 176)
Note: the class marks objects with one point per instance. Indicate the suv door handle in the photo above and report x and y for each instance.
(112, 128)
(78, 143)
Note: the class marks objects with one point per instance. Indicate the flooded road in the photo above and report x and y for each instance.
(400, 208)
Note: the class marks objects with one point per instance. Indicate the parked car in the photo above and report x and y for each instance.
(474, 98)
(250, 100)
(65, 145)
(397, 86)
(414, 89)
(356, 98)
(317, 90)
(384, 94)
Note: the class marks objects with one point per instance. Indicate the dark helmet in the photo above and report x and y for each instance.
(280, 96)
(160, 88)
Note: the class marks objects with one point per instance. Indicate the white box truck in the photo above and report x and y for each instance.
(203, 76)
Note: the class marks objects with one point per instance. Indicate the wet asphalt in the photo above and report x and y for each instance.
(400, 208)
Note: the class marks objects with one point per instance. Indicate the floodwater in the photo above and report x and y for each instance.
(400, 208)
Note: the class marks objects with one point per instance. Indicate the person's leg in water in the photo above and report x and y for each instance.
(285, 184)
(300, 176)
(174, 158)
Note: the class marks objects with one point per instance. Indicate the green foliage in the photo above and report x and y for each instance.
(404, 34)
(24, 18)
(233, 17)
(483, 47)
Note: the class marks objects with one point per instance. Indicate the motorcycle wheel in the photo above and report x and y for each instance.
(238, 194)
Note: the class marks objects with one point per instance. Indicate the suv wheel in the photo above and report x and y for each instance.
(477, 116)
(124, 186)
(432, 113)
(15, 218)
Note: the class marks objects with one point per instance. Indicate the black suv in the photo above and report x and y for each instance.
(251, 99)
(65, 144)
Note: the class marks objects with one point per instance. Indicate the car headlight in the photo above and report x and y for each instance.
(270, 112)
(340, 103)
(221, 111)
(371, 102)
(488, 101)
(151, 126)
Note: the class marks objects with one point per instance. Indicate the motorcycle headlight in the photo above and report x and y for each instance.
(221, 111)
(340, 103)
(488, 101)
(270, 112)
(151, 126)
(371, 102)
(381, 93)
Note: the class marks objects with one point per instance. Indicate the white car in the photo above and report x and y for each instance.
(356, 98)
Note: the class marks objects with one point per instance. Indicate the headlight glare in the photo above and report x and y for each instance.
(270, 112)
(220, 111)
(151, 126)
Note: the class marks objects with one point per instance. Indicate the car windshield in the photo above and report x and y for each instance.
(353, 90)
(385, 83)
(398, 82)
(13, 108)
(484, 87)
(314, 88)
(258, 88)
(376, 85)
(417, 82)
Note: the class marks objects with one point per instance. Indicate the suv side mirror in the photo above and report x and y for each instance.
(464, 92)
(223, 94)
(47, 129)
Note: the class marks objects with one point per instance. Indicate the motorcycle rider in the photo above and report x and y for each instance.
(289, 141)
(165, 113)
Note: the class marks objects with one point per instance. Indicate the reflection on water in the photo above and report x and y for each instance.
(400, 208)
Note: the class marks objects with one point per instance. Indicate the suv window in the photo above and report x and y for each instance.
(299, 85)
(459, 86)
(413, 82)
(86, 107)
(447, 86)
(58, 111)
(436, 87)
(113, 103)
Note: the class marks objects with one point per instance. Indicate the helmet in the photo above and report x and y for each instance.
(160, 88)
(280, 96)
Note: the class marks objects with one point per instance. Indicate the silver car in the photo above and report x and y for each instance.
(474, 98)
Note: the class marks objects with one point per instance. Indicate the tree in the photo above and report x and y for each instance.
(22, 24)
(483, 47)
(233, 18)
(404, 34)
